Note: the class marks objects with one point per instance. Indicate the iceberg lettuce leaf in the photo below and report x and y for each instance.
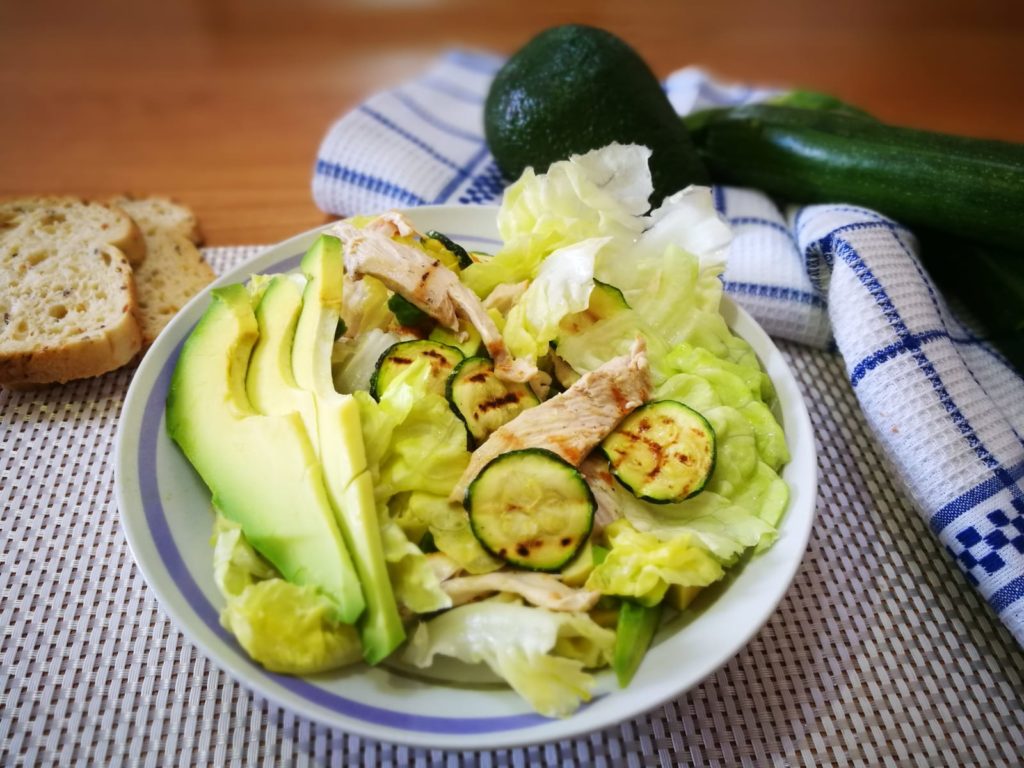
(705, 381)
(688, 219)
(611, 337)
(671, 292)
(365, 305)
(288, 628)
(771, 440)
(236, 564)
(599, 194)
(642, 566)
(415, 583)
(413, 440)
(448, 524)
(353, 360)
(416, 452)
(283, 626)
(562, 286)
(767, 494)
(724, 527)
(521, 644)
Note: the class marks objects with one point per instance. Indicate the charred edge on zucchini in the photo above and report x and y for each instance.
(460, 253)
(531, 508)
(662, 452)
(482, 400)
(408, 315)
(400, 356)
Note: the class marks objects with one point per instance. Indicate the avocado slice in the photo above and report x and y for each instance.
(342, 453)
(262, 470)
(575, 88)
(269, 382)
(633, 636)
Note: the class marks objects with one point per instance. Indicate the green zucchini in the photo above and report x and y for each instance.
(663, 451)
(971, 187)
(482, 400)
(992, 287)
(399, 357)
(531, 508)
(462, 257)
(802, 99)
(407, 314)
(469, 347)
(605, 301)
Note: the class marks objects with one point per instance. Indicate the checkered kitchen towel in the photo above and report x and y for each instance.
(947, 408)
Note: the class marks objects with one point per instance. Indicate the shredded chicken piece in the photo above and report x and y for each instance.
(505, 295)
(540, 589)
(573, 423)
(595, 471)
(425, 282)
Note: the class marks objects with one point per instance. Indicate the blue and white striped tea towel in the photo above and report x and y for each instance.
(947, 409)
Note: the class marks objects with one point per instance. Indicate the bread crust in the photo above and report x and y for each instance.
(93, 354)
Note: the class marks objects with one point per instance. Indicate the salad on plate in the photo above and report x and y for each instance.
(522, 460)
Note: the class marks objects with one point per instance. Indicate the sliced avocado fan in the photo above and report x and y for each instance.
(263, 470)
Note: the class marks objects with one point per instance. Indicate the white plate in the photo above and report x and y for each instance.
(166, 515)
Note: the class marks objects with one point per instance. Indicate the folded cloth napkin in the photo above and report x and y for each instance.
(947, 408)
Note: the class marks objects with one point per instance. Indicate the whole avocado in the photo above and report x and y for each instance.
(575, 88)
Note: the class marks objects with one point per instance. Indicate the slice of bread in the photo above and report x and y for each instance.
(101, 222)
(67, 295)
(174, 270)
(161, 213)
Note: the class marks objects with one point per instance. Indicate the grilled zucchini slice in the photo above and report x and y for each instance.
(408, 315)
(605, 301)
(399, 357)
(663, 451)
(468, 346)
(531, 508)
(462, 257)
(482, 400)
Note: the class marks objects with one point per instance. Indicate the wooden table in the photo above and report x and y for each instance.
(223, 103)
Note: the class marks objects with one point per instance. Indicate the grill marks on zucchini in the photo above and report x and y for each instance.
(482, 400)
(663, 452)
(531, 508)
(403, 355)
(605, 300)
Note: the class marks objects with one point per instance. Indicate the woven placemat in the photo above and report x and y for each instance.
(880, 654)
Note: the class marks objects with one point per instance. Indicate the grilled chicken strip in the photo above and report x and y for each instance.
(573, 423)
(540, 589)
(425, 282)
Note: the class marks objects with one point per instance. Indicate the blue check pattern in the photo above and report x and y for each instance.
(945, 406)
(980, 549)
